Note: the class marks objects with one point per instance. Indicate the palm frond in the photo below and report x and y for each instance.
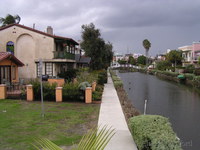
(96, 139)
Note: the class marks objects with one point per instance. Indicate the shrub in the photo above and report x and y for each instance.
(197, 71)
(153, 132)
(69, 74)
(48, 90)
(96, 95)
(83, 85)
(189, 69)
(163, 65)
(189, 76)
(72, 92)
(102, 77)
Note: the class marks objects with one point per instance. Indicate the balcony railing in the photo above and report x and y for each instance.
(63, 55)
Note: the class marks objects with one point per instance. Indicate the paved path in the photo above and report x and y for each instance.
(111, 114)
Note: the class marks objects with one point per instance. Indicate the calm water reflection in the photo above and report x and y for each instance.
(177, 102)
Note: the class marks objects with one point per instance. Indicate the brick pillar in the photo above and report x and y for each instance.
(59, 94)
(94, 86)
(29, 89)
(3, 91)
(88, 95)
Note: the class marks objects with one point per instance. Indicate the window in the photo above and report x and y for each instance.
(49, 69)
(38, 69)
(10, 47)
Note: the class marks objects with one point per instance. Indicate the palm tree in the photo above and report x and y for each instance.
(147, 46)
(9, 19)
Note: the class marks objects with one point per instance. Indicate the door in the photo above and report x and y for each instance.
(5, 74)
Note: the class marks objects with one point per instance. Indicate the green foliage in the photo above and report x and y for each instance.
(153, 132)
(197, 71)
(189, 69)
(97, 95)
(95, 139)
(72, 92)
(146, 44)
(95, 47)
(131, 60)
(197, 81)
(169, 73)
(9, 19)
(121, 62)
(116, 80)
(174, 57)
(163, 65)
(141, 60)
(69, 74)
(102, 77)
(83, 85)
(48, 90)
(189, 76)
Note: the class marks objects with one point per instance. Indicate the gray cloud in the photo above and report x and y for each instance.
(166, 23)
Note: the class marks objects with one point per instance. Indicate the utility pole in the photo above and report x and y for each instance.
(41, 87)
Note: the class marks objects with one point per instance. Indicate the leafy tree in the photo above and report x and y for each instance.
(9, 19)
(95, 47)
(146, 45)
(175, 57)
(131, 60)
(122, 61)
(163, 65)
(141, 60)
(199, 60)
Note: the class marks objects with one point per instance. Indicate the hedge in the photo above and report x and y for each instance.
(153, 132)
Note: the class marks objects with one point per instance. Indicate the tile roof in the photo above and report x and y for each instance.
(8, 55)
(40, 32)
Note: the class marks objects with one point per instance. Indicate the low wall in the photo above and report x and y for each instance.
(60, 82)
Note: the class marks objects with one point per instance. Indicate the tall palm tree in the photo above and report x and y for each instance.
(146, 45)
(10, 19)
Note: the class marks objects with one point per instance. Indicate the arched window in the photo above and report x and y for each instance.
(10, 47)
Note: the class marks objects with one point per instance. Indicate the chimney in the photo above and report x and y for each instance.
(50, 30)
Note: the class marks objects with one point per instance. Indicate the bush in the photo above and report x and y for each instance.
(72, 92)
(48, 90)
(163, 65)
(197, 71)
(68, 75)
(102, 77)
(189, 69)
(153, 132)
(189, 76)
(116, 80)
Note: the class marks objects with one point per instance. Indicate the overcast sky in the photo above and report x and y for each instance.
(167, 24)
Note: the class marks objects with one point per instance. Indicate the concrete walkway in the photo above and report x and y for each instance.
(111, 114)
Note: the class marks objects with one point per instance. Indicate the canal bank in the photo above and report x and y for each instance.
(168, 99)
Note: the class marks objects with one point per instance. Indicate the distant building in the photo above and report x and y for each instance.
(190, 53)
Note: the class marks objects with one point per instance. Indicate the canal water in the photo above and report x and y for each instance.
(177, 102)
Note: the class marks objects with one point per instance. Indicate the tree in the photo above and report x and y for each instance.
(175, 57)
(95, 47)
(141, 60)
(163, 65)
(9, 19)
(131, 60)
(146, 45)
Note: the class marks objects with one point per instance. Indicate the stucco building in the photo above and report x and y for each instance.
(30, 45)
(190, 53)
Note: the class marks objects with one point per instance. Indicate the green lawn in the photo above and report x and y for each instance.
(64, 123)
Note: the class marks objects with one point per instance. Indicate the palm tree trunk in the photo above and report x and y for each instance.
(146, 58)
